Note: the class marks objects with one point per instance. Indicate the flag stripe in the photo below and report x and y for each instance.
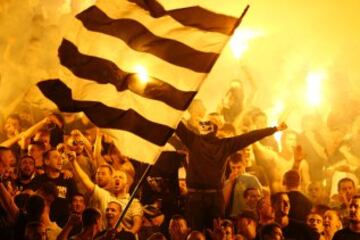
(98, 44)
(192, 16)
(104, 48)
(128, 120)
(135, 147)
(141, 39)
(83, 89)
(165, 26)
(104, 71)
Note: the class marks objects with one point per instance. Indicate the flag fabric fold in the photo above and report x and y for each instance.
(133, 67)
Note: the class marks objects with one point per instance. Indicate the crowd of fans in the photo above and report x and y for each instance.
(227, 178)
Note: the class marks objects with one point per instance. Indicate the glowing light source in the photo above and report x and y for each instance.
(314, 87)
(277, 137)
(239, 42)
(142, 74)
(275, 116)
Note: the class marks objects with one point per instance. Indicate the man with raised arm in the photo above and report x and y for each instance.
(207, 161)
(100, 197)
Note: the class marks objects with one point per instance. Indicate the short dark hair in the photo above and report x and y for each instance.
(77, 194)
(46, 154)
(346, 179)
(268, 229)
(90, 216)
(26, 156)
(108, 167)
(20, 161)
(39, 144)
(292, 179)
(35, 206)
(248, 215)
(157, 236)
(320, 209)
(276, 197)
(235, 158)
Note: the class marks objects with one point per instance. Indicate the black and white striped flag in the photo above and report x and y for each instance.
(133, 67)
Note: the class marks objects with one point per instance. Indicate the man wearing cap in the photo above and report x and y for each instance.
(207, 162)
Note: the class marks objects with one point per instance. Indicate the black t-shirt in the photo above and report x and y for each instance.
(299, 231)
(300, 206)
(346, 234)
(33, 185)
(66, 187)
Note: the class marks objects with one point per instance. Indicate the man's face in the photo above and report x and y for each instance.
(75, 144)
(178, 227)
(103, 176)
(289, 142)
(12, 125)
(315, 221)
(55, 161)
(282, 206)
(246, 155)
(228, 233)
(252, 198)
(314, 190)
(277, 234)
(354, 213)
(120, 181)
(248, 227)
(206, 127)
(35, 151)
(7, 158)
(112, 213)
(27, 167)
(332, 221)
(347, 189)
(265, 209)
(237, 168)
(78, 204)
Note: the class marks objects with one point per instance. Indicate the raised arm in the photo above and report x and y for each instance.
(99, 160)
(80, 174)
(7, 202)
(241, 141)
(228, 188)
(27, 133)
